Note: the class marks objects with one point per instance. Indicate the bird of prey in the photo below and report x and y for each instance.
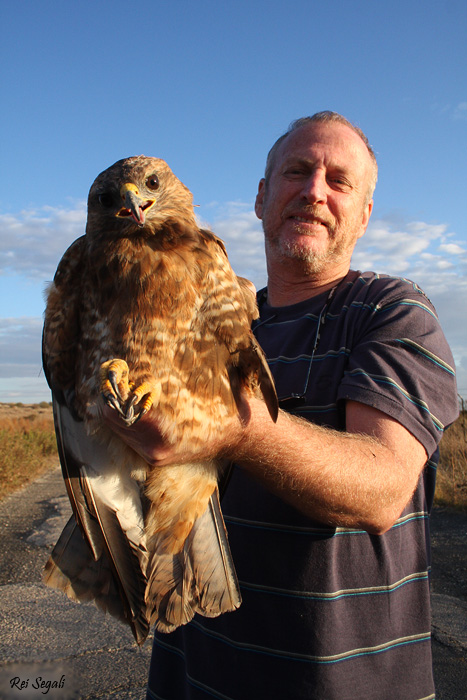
(145, 314)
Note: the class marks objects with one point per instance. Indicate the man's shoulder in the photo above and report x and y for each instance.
(383, 289)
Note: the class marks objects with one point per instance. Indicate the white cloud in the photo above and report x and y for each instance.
(417, 250)
(452, 249)
(24, 390)
(422, 253)
(20, 346)
(32, 242)
(21, 374)
(241, 231)
(384, 245)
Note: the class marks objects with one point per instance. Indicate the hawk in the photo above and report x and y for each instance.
(145, 314)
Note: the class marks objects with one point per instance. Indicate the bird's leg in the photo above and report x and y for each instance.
(178, 495)
(114, 384)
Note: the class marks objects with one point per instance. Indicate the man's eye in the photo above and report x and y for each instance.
(294, 171)
(339, 181)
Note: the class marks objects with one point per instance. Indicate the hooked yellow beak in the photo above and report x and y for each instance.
(135, 206)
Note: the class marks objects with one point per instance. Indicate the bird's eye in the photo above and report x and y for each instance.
(152, 182)
(106, 199)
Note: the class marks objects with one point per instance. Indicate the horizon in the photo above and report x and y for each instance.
(209, 90)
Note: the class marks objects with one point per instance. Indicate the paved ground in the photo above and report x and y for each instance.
(42, 633)
(45, 638)
(449, 586)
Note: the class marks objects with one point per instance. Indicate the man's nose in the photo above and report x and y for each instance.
(315, 187)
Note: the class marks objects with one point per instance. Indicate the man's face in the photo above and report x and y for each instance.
(314, 207)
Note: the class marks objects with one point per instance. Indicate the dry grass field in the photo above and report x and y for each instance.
(27, 444)
(451, 482)
(27, 449)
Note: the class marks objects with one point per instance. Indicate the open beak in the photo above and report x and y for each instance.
(134, 205)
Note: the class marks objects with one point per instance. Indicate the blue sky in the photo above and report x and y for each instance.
(209, 86)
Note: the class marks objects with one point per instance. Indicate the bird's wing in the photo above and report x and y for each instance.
(100, 554)
(61, 324)
(228, 311)
(72, 569)
(105, 559)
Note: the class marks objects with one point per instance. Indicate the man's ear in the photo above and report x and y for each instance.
(260, 199)
(366, 217)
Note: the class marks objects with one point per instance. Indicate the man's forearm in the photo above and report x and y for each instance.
(346, 479)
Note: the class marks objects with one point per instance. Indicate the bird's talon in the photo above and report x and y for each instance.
(130, 417)
(134, 400)
(113, 402)
(113, 380)
(141, 414)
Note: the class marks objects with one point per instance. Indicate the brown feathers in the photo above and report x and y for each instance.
(146, 312)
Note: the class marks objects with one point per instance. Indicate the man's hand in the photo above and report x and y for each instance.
(146, 438)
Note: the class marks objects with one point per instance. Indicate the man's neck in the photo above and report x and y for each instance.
(292, 290)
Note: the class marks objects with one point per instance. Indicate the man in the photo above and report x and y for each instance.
(327, 510)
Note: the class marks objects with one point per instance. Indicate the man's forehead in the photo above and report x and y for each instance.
(329, 137)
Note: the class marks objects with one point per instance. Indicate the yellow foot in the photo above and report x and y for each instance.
(147, 394)
(114, 383)
(120, 393)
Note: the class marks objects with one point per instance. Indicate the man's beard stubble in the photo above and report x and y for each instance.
(313, 261)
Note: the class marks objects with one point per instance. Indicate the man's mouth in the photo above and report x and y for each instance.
(307, 220)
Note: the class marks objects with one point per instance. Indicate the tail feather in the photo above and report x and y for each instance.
(208, 550)
(201, 578)
(173, 603)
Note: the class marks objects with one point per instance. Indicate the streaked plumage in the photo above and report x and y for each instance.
(146, 285)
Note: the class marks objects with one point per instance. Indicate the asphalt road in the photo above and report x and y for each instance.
(449, 596)
(43, 635)
(82, 654)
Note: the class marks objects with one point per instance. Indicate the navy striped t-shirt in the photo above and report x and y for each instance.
(328, 613)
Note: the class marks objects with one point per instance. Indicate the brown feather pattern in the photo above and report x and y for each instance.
(146, 310)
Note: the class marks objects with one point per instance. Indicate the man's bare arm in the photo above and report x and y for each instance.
(361, 478)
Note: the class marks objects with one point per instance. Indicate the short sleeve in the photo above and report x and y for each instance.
(402, 365)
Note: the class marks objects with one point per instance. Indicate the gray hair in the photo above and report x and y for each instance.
(325, 117)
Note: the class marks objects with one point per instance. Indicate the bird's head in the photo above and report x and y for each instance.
(135, 194)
